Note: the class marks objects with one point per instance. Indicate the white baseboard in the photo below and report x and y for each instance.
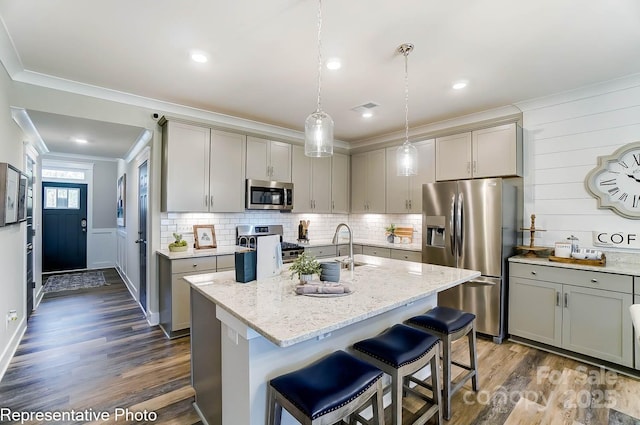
(10, 351)
(152, 318)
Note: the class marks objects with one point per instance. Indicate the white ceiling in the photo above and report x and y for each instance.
(263, 57)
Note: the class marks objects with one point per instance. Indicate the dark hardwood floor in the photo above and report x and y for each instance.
(93, 349)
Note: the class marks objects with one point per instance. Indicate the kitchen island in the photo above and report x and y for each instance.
(245, 334)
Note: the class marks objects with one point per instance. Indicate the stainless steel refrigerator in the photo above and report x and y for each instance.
(474, 224)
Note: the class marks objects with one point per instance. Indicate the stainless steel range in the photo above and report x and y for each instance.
(247, 236)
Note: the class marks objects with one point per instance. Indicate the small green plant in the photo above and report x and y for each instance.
(391, 229)
(178, 242)
(305, 264)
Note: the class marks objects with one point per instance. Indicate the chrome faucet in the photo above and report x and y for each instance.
(335, 241)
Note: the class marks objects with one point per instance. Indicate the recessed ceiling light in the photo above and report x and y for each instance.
(459, 85)
(333, 64)
(80, 140)
(199, 57)
(367, 114)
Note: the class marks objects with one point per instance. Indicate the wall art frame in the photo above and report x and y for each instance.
(204, 236)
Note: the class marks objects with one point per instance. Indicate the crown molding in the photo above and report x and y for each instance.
(222, 121)
(21, 117)
(138, 146)
(475, 121)
(592, 90)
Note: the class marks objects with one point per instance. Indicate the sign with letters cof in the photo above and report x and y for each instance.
(616, 239)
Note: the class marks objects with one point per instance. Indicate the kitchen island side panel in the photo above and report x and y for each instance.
(206, 360)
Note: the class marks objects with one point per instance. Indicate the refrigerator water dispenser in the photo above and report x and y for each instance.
(435, 231)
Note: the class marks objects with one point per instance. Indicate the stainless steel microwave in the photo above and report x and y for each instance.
(269, 195)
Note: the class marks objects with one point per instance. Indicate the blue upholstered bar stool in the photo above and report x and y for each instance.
(400, 352)
(327, 391)
(449, 325)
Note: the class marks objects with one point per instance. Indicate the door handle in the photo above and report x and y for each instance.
(460, 224)
(557, 298)
(83, 224)
(566, 300)
(452, 230)
(140, 241)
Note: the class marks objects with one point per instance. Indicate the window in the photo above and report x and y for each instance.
(62, 174)
(61, 198)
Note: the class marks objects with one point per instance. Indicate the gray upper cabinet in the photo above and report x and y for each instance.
(368, 180)
(311, 182)
(210, 163)
(489, 152)
(404, 194)
(226, 182)
(340, 183)
(268, 160)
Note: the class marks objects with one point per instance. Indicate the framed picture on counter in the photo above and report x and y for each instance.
(204, 236)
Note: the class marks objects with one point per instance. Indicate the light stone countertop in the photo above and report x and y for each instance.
(614, 264)
(271, 307)
(192, 253)
(369, 242)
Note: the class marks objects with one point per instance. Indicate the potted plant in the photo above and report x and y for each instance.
(391, 232)
(178, 244)
(305, 266)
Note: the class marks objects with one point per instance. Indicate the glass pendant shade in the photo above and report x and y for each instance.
(318, 135)
(407, 159)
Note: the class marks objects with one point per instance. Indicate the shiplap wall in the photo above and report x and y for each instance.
(564, 135)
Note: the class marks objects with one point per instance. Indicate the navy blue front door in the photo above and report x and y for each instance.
(64, 226)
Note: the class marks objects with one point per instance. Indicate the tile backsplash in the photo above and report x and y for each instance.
(321, 227)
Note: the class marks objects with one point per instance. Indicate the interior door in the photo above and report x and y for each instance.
(30, 281)
(142, 230)
(64, 226)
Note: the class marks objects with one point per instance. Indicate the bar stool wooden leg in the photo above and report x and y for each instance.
(378, 407)
(436, 387)
(473, 353)
(397, 384)
(275, 409)
(446, 376)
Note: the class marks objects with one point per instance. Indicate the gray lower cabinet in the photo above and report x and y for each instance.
(321, 251)
(175, 308)
(376, 251)
(402, 254)
(581, 311)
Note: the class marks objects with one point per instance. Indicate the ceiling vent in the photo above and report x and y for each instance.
(366, 110)
(365, 107)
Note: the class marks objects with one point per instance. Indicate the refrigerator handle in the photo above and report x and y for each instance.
(452, 233)
(459, 223)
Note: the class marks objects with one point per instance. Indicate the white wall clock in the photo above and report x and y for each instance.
(615, 182)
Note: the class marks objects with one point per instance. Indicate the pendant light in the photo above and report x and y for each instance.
(318, 128)
(407, 154)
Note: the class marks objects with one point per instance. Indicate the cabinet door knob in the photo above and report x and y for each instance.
(533, 273)
(594, 280)
(195, 265)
